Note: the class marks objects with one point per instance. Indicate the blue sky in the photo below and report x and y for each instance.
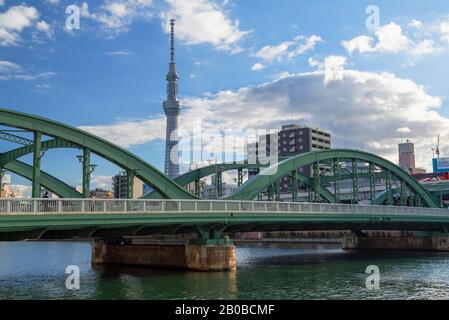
(243, 64)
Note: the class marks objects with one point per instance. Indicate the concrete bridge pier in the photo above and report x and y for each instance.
(410, 242)
(207, 256)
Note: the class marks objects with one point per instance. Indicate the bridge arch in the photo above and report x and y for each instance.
(194, 176)
(272, 175)
(51, 183)
(67, 136)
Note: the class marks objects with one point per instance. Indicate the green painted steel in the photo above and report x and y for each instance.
(23, 151)
(198, 174)
(15, 138)
(122, 158)
(294, 183)
(130, 184)
(336, 179)
(251, 189)
(98, 225)
(49, 182)
(355, 182)
(86, 172)
(37, 156)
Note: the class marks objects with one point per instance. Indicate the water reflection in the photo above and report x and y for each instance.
(37, 270)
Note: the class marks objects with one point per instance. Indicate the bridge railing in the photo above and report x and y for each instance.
(100, 206)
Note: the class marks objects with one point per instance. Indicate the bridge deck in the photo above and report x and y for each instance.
(65, 218)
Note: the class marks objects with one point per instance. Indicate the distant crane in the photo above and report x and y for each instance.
(436, 151)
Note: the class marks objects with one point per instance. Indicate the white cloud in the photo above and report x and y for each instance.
(332, 98)
(45, 28)
(305, 44)
(361, 43)
(390, 39)
(116, 16)
(119, 53)
(43, 87)
(203, 22)
(14, 21)
(300, 44)
(2, 2)
(102, 182)
(425, 47)
(444, 30)
(8, 66)
(129, 133)
(416, 24)
(52, 2)
(257, 67)
(12, 71)
(270, 53)
(404, 130)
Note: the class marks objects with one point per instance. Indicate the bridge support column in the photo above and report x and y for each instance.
(218, 185)
(205, 256)
(428, 242)
(239, 177)
(129, 184)
(197, 188)
(37, 155)
(86, 173)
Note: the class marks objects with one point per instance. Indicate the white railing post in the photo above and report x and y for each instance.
(144, 206)
(59, 206)
(105, 206)
(8, 206)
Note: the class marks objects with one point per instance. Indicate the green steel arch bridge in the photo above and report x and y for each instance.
(171, 208)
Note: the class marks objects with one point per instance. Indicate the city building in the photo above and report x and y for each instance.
(292, 140)
(407, 158)
(119, 186)
(172, 110)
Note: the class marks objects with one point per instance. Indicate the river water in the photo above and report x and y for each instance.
(36, 270)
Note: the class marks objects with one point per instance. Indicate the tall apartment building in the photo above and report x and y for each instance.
(292, 140)
(119, 186)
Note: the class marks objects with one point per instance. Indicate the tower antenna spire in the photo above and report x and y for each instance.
(172, 34)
